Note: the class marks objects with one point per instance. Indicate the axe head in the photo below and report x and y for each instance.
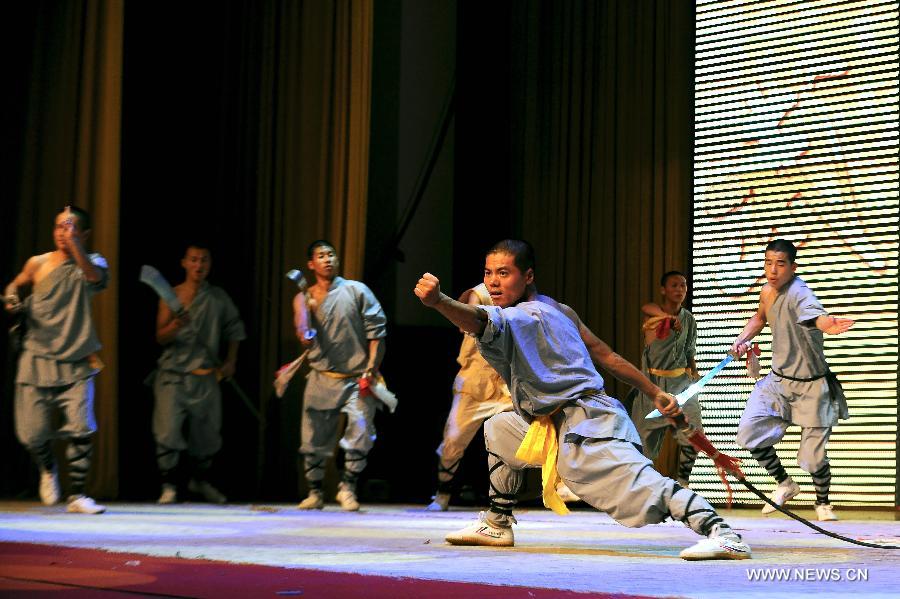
(297, 277)
(160, 285)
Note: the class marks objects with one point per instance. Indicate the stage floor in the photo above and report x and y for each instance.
(584, 551)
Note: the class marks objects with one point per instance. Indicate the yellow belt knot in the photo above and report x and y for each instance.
(540, 446)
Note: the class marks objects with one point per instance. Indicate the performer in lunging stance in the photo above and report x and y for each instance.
(586, 434)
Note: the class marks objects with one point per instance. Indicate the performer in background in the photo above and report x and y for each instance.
(800, 389)
(186, 384)
(539, 352)
(670, 338)
(59, 360)
(345, 352)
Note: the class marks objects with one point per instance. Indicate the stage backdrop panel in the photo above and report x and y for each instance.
(796, 108)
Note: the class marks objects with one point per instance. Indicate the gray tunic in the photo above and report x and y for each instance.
(539, 353)
(197, 345)
(345, 321)
(673, 352)
(60, 334)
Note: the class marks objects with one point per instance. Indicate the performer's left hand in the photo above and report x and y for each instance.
(227, 370)
(667, 404)
(838, 326)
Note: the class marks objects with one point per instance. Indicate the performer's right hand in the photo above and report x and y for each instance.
(428, 289)
(667, 404)
(739, 348)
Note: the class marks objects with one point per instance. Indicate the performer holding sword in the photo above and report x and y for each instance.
(566, 424)
(186, 384)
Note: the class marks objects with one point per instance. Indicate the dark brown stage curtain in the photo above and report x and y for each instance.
(71, 155)
(313, 158)
(603, 163)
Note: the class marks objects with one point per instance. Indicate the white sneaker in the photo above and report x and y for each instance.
(784, 492)
(49, 487)
(825, 512)
(347, 498)
(169, 495)
(482, 532)
(727, 545)
(565, 493)
(209, 492)
(313, 501)
(439, 503)
(82, 504)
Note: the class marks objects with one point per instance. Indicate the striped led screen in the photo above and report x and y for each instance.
(796, 107)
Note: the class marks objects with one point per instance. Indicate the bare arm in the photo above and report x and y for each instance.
(301, 320)
(26, 277)
(756, 324)
(832, 325)
(376, 355)
(168, 324)
(468, 318)
(603, 355)
(229, 366)
(73, 243)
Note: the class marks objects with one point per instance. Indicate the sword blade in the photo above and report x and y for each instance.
(695, 388)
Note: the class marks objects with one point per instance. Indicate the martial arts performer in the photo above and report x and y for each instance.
(478, 391)
(346, 349)
(59, 356)
(186, 384)
(588, 439)
(670, 338)
(800, 389)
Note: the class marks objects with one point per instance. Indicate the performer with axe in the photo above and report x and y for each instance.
(344, 356)
(576, 431)
(192, 320)
(58, 360)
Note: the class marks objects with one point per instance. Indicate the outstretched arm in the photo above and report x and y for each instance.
(468, 318)
(834, 326)
(603, 355)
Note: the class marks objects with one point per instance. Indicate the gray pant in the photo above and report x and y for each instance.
(767, 416)
(610, 474)
(34, 408)
(186, 398)
(319, 429)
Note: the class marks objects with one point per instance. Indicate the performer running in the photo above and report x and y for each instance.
(538, 350)
(186, 385)
(58, 361)
(347, 347)
(801, 389)
(670, 337)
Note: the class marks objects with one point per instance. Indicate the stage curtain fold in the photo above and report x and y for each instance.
(71, 155)
(602, 163)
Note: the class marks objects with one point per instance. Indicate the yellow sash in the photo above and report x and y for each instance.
(669, 373)
(540, 446)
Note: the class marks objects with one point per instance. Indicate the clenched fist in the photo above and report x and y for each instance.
(428, 289)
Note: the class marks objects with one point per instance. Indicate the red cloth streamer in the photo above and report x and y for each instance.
(663, 328)
(725, 464)
(365, 387)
